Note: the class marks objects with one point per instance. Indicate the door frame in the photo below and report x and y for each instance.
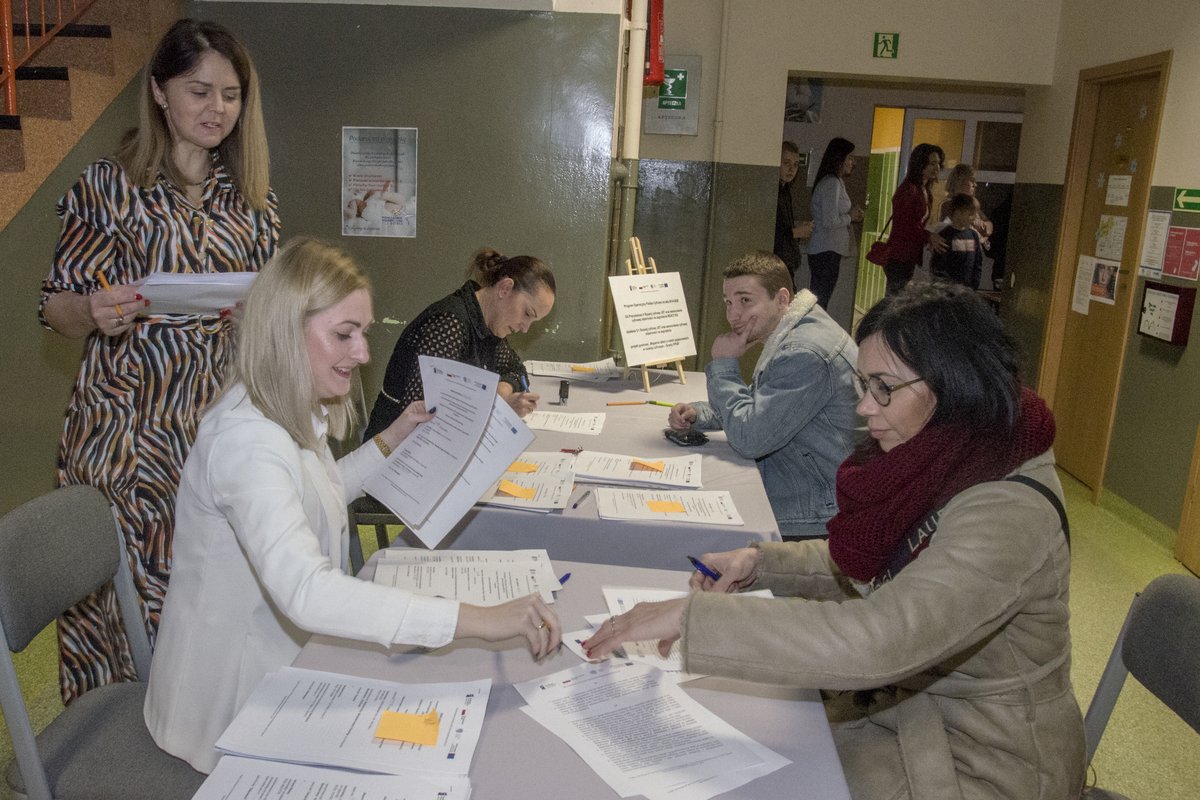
(1066, 253)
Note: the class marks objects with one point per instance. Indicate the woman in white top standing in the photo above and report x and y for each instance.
(832, 214)
(261, 534)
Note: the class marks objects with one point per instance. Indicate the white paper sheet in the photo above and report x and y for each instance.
(421, 470)
(682, 472)
(195, 292)
(310, 717)
(705, 508)
(1154, 243)
(643, 734)
(1082, 293)
(552, 483)
(592, 371)
(653, 316)
(237, 778)
(583, 423)
(538, 556)
(504, 438)
(482, 583)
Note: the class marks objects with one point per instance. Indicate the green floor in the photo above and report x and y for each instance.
(1147, 752)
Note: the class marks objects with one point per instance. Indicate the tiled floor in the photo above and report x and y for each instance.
(1147, 752)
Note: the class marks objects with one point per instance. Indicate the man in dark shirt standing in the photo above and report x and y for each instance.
(786, 229)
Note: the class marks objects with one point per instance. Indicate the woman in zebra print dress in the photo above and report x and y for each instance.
(186, 192)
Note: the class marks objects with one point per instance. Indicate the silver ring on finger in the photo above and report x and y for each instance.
(120, 319)
(540, 626)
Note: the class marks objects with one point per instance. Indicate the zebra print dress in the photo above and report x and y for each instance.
(137, 398)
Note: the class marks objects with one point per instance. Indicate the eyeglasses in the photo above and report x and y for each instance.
(879, 388)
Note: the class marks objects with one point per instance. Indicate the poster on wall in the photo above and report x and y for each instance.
(1104, 281)
(1154, 244)
(379, 182)
(803, 102)
(1181, 259)
(675, 109)
(1110, 236)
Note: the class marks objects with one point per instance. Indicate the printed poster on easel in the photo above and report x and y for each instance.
(653, 315)
(379, 182)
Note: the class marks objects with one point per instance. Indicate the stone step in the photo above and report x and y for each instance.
(12, 151)
(44, 92)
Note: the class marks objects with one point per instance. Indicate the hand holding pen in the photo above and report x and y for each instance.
(730, 571)
(114, 310)
(523, 402)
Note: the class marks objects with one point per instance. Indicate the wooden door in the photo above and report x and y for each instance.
(1114, 136)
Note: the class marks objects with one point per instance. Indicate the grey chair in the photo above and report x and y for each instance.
(54, 551)
(1159, 645)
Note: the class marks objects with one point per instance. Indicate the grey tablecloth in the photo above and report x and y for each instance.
(578, 534)
(518, 758)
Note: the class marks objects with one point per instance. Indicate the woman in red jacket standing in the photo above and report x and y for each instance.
(911, 206)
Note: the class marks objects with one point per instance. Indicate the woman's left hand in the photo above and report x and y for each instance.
(662, 621)
(404, 424)
(936, 243)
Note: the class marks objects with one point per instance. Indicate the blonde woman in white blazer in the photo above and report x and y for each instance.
(261, 532)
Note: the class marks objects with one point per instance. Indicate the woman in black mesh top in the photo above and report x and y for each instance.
(505, 295)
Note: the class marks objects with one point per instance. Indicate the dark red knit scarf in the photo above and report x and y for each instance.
(881, 496)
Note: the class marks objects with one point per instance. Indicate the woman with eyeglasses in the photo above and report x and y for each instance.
(935, 615)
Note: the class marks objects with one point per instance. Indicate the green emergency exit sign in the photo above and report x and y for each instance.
(1186, 200)
(887, 45)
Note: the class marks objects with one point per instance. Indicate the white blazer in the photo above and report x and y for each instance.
(260, 543)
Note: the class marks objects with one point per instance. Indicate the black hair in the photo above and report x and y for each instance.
(835, 154)
(919, 160)
(526, 271)
(951, 338)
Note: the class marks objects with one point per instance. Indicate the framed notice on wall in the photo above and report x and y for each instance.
(1167, 312)
(675, 108)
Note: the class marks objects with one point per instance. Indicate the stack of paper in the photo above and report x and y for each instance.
(534, 482)
(194, 292)
(643, 734)
(479, 577)
(325, 719)
(237, 777)
(679, 472)
(434, 477)
(585, 423)
(705, 508)
(592, 372)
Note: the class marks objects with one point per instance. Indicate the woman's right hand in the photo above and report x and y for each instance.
(738, 569)
(76, 315)
(528, 617)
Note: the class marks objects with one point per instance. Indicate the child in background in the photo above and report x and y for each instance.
(962, 261)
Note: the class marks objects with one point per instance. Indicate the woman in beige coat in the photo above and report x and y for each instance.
(945, 647)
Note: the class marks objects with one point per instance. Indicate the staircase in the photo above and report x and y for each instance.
(69, 83)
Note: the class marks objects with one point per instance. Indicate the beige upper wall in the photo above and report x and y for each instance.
(960, 40)
(1098, 32)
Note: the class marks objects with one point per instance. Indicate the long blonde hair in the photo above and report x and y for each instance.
(146, 151)
(304, 278)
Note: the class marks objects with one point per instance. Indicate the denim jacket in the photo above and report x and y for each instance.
(796, 419)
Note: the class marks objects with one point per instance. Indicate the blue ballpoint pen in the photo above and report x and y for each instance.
(563, 580)
(524, 383)
(704, 569)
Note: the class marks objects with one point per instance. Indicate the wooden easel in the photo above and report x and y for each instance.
(637, 266)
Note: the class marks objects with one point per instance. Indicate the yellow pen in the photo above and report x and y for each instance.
(107, 288)
(661, 403)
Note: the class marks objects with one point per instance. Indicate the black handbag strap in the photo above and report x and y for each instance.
(924, 531)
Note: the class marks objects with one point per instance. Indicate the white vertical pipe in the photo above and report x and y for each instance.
(634, 67)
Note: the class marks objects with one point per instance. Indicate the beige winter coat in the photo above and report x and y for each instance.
(959, 668)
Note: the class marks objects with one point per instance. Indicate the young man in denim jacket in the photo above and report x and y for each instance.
(796, 418)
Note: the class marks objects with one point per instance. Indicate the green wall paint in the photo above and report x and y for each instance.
(514, 112)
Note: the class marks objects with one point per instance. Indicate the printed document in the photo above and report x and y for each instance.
(483, 582)
(195, 292)
(703, 507)
(536, 556)
(592, 371)
(322, 718)
(680, 472)
(534, 482)
(643, 734)
(583, 423)
(245, 778)
(504, 438)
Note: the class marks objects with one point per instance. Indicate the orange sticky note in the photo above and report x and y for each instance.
(516, 490)
(648, 466)
(581, 368)
(665, 506)
(522, 466)
(412, 728)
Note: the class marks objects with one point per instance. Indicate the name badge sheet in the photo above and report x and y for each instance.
(322, 718)
(643, 734)
(548, 479)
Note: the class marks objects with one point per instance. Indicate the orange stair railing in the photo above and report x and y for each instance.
(50, 17)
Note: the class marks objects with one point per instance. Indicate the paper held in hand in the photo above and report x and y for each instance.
(434, 477)
(195, 292)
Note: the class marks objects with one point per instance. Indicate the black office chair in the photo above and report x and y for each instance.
(55, 551)
(1159, 645)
